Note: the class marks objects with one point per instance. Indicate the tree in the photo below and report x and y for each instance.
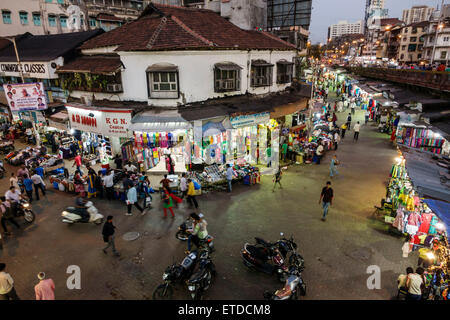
(316, 51)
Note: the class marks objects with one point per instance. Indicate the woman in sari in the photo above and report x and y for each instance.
(91, 184)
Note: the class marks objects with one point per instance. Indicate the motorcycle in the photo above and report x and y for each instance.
(183, 234)
(23, 209)
(202, 277)
(75, 215)
(271, 258)
(2, 170)
(175, 273)
(292, 288)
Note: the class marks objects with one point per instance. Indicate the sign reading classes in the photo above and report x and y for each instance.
(105, 122)
(250, 120)
(25, 96)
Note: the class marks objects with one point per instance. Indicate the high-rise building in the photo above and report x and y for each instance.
(417, 14)
(343, 27)
(374, 10)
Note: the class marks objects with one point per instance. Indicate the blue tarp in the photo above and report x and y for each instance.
(442, 210)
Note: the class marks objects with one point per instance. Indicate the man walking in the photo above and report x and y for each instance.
(277, 179)
(108, 235)
(7, 291)
(38, 184)
(356, 128)
(183, 185)
(45, 289)
(326, 198)
(349, 121)
(343, 129)
(108, 182)
(336, 139)
(28, 183)
(191, 194)
(77, 162)
(229, 176)
(7, 215)
(334, 163)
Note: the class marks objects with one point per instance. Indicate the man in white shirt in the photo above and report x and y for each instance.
(129, 167)
(38, 184)
(319, 152)
(7, 291)
(356, 128)
(13, 194)
(108, 182)
(414, 283)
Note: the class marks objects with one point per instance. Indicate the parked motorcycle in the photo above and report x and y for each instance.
(175, 273)
(2, 170)
(202, 277)
(292, 288)
(75, 215)
(183, 234)
(271, 258)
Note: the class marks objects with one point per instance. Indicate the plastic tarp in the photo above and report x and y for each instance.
(212, 128)
(442, 210)
(424, 174)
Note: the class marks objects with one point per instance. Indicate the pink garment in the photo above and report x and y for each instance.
(414, 219)
(398, 222)
(45, 290)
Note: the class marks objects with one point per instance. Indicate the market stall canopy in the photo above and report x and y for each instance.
(155, 120)
(212, 128)
(442, 210)
(424, 173)
(100, 64)
(60, 116)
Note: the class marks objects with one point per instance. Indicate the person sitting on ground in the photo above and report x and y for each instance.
(402, 280)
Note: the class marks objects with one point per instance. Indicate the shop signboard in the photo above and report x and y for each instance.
(104, 122)
(250, 119)
(25, 96)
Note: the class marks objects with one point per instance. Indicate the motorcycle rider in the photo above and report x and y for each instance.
(14, 196)
(198, 231)
(80, 204)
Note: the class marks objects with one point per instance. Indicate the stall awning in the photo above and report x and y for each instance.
(102, 64)
(162, 67)
(60, 116)
(153, 121)
(227, 66)
(442, 210)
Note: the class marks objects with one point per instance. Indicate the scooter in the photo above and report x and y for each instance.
(183, 234)
(202, 277)
(292, 288)
(271, 258)
(173, 274)
(74, 215)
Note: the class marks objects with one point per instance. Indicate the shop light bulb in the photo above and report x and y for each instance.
(430, 255)
(440, 226)
(72, 131)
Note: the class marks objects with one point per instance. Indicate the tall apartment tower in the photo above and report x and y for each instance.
(417, 14)
(343, 28)
(374, 8)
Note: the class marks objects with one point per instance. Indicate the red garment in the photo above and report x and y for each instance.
(175, 198)
(393, 134)
(426, 220)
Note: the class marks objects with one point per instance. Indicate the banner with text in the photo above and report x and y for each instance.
(105, 122)
(25, 96)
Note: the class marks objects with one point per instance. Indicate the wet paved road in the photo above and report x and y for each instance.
(337, 252)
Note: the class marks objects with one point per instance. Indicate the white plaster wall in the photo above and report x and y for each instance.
(196, 76)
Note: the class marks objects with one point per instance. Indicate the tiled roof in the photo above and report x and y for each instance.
(390, 21)
(163, 27)
(100, 64)
(46, 47)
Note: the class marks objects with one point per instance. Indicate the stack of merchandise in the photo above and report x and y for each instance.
(421, 138)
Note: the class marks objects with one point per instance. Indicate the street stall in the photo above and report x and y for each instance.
(420, 137)
(158, 136)
(98, 131)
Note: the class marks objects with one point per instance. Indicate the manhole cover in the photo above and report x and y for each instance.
(130, 236)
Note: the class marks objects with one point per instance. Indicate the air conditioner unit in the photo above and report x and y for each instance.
(114, 87)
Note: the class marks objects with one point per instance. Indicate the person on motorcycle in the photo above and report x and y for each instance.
(80, 204)
(14, 196)
(198, 231)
